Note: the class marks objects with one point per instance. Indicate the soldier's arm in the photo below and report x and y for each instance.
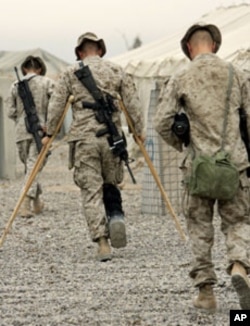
(133, 105)
(168, 106)
(11, 103)
(245, 94)
(50, 87)
(58, 100)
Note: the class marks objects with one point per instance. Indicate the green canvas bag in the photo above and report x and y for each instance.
(215, 177)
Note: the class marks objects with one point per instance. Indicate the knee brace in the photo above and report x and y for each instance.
(112, 200)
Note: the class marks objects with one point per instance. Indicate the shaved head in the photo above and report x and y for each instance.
(201, 36)
(200, 42)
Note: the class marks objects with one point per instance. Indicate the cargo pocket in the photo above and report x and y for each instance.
(119, 172)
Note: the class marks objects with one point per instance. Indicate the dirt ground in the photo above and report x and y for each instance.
(49, 275)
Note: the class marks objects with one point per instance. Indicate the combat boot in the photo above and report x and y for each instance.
(241, 285)
(25, 210)
(38, 205)
(117, 230)
(104, 250)
(205, 299)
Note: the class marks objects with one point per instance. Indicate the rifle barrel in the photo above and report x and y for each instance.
(130, 172)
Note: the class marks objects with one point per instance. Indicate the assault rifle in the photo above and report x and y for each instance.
(104, 107)
(31, 120)
(244, 134)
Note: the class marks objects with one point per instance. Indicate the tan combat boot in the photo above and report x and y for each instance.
(38, 205)
(241, 284)
(104, 250)
(205, 298)
(25, 210)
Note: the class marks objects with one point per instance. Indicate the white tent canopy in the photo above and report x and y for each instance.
(152, 63)
(161, 57)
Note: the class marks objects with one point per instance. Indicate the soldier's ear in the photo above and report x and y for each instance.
(80, 54)
(99, 52)
(189, 47)
(25, 71)
(38, 71)
(214, 47)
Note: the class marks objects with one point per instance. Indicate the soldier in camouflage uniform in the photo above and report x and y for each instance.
(199, 91)
(97, 172)
(41, 87)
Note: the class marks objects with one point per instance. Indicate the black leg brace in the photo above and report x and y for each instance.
(112, 200)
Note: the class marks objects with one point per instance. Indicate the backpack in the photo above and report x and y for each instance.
(215, 177)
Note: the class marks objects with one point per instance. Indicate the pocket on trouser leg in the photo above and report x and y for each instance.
(119, 172)
(79, 177)
(23, 150)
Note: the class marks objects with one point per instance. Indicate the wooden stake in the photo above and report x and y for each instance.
(153, 171)
(34, 171)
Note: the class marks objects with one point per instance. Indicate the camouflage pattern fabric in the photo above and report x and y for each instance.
(109, 78)
(200, 91)
(235, 225)
(94, 166)
(41, 88)
(27, 151)
(93, 161)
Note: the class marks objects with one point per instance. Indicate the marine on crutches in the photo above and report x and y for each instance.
(40, 160)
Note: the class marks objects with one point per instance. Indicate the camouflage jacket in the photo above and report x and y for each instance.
(110, 79)
(200, 91)
(41, 88)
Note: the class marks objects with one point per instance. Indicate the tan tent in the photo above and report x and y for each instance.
(8, 60)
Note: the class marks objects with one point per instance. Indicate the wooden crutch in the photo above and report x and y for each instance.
(153, 171)
(34, 171)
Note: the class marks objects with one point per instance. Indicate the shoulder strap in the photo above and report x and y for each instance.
(227, 104)
(86, 78)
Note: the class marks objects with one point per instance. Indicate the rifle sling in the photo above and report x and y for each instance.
(92, 88)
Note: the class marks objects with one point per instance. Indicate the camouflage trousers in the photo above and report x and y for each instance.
(95, 165)
(28, 155)
(235, 225)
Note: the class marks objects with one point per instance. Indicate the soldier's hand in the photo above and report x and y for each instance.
(141, 137)
(45, 140)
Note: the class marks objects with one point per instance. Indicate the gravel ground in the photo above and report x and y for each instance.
(49, 275)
